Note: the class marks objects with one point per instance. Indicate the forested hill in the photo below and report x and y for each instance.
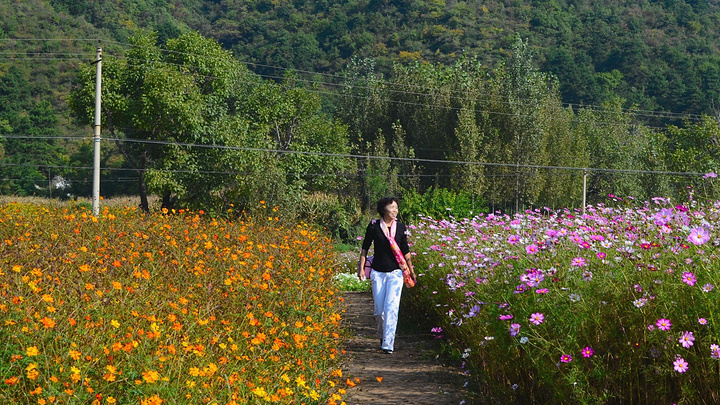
(657, 55)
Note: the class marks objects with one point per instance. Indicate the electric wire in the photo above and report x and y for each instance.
(574, 106)
(371, 157)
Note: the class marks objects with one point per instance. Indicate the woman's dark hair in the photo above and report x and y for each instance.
(384, 202)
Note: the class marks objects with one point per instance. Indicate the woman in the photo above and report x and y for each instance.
(386, 275)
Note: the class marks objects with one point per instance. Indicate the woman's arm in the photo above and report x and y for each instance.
(361, 264)
(408, 260)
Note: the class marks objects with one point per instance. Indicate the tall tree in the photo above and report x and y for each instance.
(155, 100)
(515, 107)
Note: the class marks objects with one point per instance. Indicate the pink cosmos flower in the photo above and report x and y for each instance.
(537, 318)
(578, 262)
(505, 317)
(541, 291)
(702, 321)
(687, 339)
(565, 358)
(513, 239)
(600, 255)
(663, 324)
(514, 329)
(587, 351)
(715, 351)
(689, 278)
(531, 249)
(698, 236)
(680, 365)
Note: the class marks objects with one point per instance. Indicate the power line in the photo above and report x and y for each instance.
(661, 115)
(356, 156)
(636, 112)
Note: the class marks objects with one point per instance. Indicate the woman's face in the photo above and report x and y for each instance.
(391, 210)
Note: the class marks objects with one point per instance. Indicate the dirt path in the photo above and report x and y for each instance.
(413, 374)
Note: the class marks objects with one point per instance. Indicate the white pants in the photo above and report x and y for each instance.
(386, 289)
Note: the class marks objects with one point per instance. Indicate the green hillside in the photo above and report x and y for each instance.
(658, 55)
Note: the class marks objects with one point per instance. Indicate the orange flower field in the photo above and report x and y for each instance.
(175, 308)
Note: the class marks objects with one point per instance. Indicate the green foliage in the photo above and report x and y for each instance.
(441, 203)
(350, 282)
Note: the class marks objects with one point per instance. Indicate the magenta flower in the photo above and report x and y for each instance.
(505, 317)
(514, 329)
(578, 262)
(680, 365)
(565, 358)
(702, 321)
(710, 175)
(601, 255)
(436, 329)
(687, 339)
(513, 239)
(715, 351)
(663, 216)
(663, 324)
(698, 236)
(587, 351)
(531, 249)
(689, 278)
(537, 318)
(542, 291)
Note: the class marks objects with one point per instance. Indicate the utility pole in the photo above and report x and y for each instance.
(585, 173)
(96, 138)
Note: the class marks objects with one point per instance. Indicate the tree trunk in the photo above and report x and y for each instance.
(142, 189)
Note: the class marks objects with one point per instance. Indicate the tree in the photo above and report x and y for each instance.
(154, 101)
(32, 156)
(516, 106)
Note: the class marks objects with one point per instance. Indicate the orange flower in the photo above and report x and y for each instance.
(151, 376)
(154, 400)
(74, 354)
(32, 351)
(11, 380)
(350, 383)
(48, 323)
(379, 379)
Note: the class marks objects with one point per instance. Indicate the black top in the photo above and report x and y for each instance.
(384, 260)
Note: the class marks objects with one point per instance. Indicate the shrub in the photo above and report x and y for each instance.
(441, 203)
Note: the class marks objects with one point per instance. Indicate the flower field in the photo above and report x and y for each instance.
(618, 306)
(152, 309)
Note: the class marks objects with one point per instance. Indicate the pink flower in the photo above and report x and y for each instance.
(513, 239)
(663, 324)
(531, 249)
(587, 351)
(698, 236)
(565, 358)
(680, 365)
(537, 318)
(505, 317)
(687, 339)
(514, 329)
(689, 278)
(600, 255)
(542, 291)
(702, 321)
(578, 262)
